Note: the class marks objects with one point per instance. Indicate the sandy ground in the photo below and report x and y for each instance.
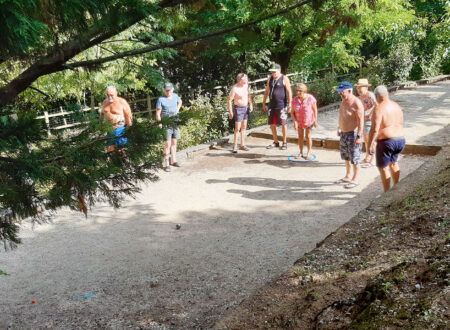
(244, 219)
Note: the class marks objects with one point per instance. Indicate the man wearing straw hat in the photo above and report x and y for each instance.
(369, 102)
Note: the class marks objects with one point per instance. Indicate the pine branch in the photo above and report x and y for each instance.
(181, 42)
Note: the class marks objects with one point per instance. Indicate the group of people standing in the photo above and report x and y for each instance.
(369, 116)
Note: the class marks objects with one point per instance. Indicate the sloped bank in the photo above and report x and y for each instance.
(388, 266)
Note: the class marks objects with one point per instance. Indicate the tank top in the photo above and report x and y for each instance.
(277, 93)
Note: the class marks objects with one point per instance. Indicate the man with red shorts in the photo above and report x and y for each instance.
(278, 89)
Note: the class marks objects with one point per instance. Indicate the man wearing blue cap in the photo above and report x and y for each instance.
(350, 130)
(168, 106)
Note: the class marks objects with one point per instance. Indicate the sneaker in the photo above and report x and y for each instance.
(273, 145)
(284, 146)
(176, 164)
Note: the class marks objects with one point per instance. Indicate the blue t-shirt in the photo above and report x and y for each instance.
(169, 107)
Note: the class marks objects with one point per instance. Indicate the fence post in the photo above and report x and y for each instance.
(92, 102)
(149, 106)
(47, 123)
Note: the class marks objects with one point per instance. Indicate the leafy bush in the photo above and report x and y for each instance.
(208, 120)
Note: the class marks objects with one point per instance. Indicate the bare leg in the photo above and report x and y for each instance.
(366, 146)
(309, 139)
(237, 128)
(284, 132)
(348, 171)
(385, 177)
(356, 170)
(173, 150)
(395, 172)
(274, 133)
(243, 128)
(300, 140)
(166, 153)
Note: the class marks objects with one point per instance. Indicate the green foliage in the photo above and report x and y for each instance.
(208, 120)
(39, 175)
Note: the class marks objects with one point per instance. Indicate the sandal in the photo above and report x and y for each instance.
(245, 148)
(273, 145)
(234, 151)
(175, 164)
(284, 146)
(351, 184)
(343, 180)
(366, 165)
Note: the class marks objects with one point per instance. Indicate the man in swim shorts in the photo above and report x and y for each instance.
(239, 105)
(350, 130)
(387, 134)
(117, 112)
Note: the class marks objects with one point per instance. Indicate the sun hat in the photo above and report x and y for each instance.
(343, 86)
(275, 67)
(363, 83)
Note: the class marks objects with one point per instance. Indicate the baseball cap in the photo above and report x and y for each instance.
(275, 67)
(168, 86)
(343, 86)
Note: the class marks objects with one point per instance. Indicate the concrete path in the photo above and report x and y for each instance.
(426, 113)
(244, 219)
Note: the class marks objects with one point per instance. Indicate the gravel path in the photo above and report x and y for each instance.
(244, 219)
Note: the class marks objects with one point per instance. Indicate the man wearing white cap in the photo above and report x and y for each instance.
(168, 106)
(278, 89)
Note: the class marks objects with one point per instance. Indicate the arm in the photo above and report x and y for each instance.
(375, 129)
(127, 113)
(266, 94)
(339, 121)
(250, 100)
(230, 103)
(315, 114)
(360, 117)
(179, 103)
(287, 83)
(158, 112)
(294, 120)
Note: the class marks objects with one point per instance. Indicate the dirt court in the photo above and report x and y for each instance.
(244, 218)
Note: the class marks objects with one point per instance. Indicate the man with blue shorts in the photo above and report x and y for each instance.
(350, 130)
(239, 105)
(387, 134)
(169, 105)
(116, 111)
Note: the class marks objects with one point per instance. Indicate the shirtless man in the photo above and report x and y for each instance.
(278, 89)
(387, 134)
(350, 130)
(117, 112)
(239, 105)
